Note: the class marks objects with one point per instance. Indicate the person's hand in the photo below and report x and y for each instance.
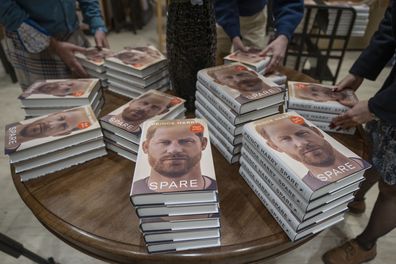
(101, 40)
(349, 82)
(357, 115)
(238, 45)
(276, 49)
(65, 51)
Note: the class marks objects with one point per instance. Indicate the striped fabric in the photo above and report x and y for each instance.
(31, 67)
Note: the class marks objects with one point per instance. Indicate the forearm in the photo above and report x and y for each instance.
(287, 15)
(227, 16)
(92, 14)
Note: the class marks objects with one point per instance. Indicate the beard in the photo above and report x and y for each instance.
(174, 166)
(318, 155)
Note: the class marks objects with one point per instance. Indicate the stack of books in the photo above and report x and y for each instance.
(93, 62)
(53, 142)
(361, 20)
(133, 71)
(251, 58)
(320, 104)
(122, 127)
(304, 177)
(278, 78)
(230, 96)
(174, 189)
(45, 97)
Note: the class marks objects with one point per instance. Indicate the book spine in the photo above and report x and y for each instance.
(226, 111)
(226, 98)
(210, 110)
(277, 163)
(325, 127)
(289, 197)
(228, 156)
(277, 216)
(227, 145)
(315, 116)
(315, 106)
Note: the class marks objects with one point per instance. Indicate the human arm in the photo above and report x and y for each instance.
(93, 17)
(287, 14)
(227, 16)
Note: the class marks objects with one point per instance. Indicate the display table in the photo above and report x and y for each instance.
(88, 207)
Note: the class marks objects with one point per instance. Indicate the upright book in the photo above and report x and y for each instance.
(139, 61)
(126, 120)
(174, 164)
(240, 88)
(319, 98)
(250, 58)
(310, 160)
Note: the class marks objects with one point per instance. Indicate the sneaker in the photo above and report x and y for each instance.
(349, 253)
(357, 206)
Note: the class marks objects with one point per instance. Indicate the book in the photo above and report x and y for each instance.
(312, 162)
(315, 116)
(127, 120)
(37, 136)
(320, 98)
(60, 92)
(241, 89)
(325, 126)
(130, 93)
(279, 215)
(283, 208)
(250, 58)
(183, 245)
(178, 209)
(184, 235)
(120, 150)
(160, 84)
(300, 207)
(123, 142)
(232, 149)
(174, 164)
(62, 164)
(93, 58)
(276, 77)
(138, 61)
(230, 114)
(178, 223)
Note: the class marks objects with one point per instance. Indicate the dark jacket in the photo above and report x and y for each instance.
(373, 59)
(287, 14)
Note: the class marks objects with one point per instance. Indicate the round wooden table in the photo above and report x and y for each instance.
(88, 207)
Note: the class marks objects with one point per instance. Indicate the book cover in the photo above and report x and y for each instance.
(150, 105)
(174, 157)
(240, 88)
(303, 153)
(138, 58)
(320, 98)
(250, 58)
(94, 56)
(33, 132)
(60, 88)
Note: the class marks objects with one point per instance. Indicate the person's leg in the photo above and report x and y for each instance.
(253, 30)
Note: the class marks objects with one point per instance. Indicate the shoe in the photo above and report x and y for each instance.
(357, 206)
(349, 253)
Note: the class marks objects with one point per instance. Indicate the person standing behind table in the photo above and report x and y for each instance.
(42, 36)
(379, 114)
(241, 23)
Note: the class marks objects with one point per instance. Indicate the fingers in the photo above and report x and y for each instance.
(274, 63)
(78, 70)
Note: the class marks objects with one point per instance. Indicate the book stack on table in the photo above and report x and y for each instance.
(278, 78)
(45, 97)
(122, 127)
(250, 58)
(320, 104)
(133, 71)
(174, 189)
(42, 145)
(230, 96)
(304, 177)
(93, 62)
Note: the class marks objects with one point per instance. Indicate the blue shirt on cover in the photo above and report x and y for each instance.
(287, 14)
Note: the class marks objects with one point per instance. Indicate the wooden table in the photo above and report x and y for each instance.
(88, 207)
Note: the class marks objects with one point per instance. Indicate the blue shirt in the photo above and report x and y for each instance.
(52, 17)
(287, 14)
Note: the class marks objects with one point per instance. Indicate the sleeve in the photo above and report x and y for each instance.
(33, 37)
(287, 15)
(227, 16)
(92, 15)
(380, 50)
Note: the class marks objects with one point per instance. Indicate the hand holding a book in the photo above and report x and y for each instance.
(66, 51)
(101, 40)
(238, 45)
(349, 82)
(278, 50)
(359, 114)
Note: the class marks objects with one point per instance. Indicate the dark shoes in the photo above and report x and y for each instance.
(349, 253)
(357, 206)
